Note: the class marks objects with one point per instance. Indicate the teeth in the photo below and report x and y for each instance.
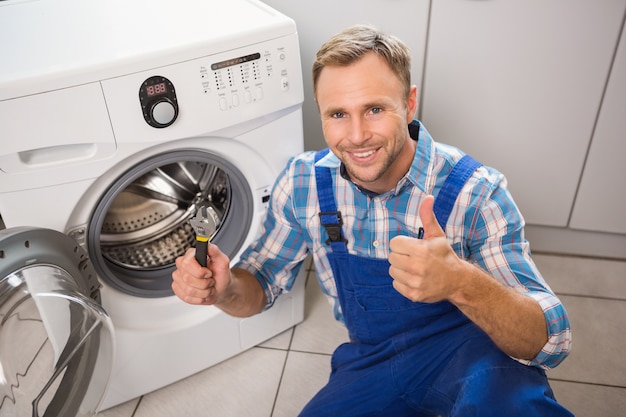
(362, 154)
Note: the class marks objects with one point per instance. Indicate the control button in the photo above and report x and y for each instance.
(223, 103)
(284, 84)
(248, 96)
(259, 93)
(163, 112)
(235, 100)
(282, 56)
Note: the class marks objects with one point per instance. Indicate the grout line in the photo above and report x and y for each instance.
(595, 384)
(293, 334)
(595, 297)
(280, 382)
(311, 353)
(570, 255)
(136, 407)
(280, 349)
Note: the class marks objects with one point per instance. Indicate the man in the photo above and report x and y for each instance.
(447, 313)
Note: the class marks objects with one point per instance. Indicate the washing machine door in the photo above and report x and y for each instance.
(56, 341)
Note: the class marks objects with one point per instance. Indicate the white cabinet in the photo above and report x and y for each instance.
(518, 85)
(601, 200)
(319, 20)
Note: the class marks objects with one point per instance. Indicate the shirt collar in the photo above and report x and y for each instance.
(423, 161)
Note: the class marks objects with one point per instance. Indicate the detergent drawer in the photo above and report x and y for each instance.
(55, 128)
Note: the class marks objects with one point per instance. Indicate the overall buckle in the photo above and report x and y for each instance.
(332, 222)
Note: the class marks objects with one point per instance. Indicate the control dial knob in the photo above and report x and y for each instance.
(163, 112)
(158, 102)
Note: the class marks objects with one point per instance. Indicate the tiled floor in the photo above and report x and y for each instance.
(278, 377)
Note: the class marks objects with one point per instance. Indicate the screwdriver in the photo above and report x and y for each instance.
(204, 224)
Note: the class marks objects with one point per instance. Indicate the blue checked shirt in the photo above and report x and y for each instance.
(485, 227)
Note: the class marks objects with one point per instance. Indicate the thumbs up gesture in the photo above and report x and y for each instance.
(424, 269)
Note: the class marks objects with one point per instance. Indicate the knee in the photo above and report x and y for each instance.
(519, 391)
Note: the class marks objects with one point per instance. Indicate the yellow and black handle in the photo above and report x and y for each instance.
(202, 249)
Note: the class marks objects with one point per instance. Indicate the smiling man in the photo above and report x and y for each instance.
(419, 248)
(365, 111)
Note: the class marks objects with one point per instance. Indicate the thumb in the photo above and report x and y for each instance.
(429, 220)
(219, 260)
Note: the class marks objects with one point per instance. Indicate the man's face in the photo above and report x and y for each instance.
(364, 118)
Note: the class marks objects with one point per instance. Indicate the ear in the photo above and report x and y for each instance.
(411, 105)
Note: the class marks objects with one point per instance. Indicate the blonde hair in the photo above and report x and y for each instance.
(351, 44)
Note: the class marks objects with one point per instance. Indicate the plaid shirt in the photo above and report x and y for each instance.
(485, 227)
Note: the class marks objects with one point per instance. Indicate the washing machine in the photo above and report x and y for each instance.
(118, 120)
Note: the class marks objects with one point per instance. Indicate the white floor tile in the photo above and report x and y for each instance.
(248, 385)
(245, 385)
(281, 341)
(583, 276)
(590, 400)
(305, 374)
(319, 332)
(123, 410)
(598, 342)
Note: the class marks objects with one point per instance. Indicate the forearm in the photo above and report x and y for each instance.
(514, 322)
(244, 297)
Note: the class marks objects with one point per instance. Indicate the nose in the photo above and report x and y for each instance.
(359, 131)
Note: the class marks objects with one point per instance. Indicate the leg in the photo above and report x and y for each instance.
(358, 386)
(482, 381)
(508, 391)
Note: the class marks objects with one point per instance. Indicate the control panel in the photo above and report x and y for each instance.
(239, 81)
(206, 94)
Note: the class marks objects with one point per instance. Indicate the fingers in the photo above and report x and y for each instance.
(191, 282)
(407, 257)
(402, 245)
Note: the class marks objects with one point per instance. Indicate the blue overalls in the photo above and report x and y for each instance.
(415, 359)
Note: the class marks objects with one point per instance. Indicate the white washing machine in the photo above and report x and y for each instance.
(117, 121)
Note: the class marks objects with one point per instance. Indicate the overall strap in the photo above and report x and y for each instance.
(444, 202)
(330, 217)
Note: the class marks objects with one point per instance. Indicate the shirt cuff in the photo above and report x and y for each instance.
(559, 342)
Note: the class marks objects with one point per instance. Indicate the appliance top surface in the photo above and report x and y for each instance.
(52, 44)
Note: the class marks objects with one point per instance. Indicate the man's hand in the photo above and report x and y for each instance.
(424, 269)
(234, 291)
(195, 284)
(428, 270)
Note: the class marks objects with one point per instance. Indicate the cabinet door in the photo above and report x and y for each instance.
(601, 200)
(319, 20)
(518, 84)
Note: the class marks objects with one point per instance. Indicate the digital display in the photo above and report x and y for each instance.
(155, 89)
(235, 61)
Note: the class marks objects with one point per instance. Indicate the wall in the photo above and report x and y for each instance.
(319, 20)
(520, 86)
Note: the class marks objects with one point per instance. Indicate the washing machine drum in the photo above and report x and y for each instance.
(56, 341)
(141, 223)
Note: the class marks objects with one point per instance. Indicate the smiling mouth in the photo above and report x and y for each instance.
(362, 154)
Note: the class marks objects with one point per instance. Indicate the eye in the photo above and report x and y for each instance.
(338, 115)
(376, 110)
